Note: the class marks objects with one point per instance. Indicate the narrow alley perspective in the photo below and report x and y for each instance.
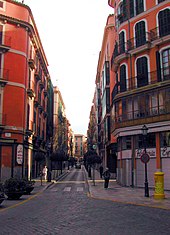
(85, 117)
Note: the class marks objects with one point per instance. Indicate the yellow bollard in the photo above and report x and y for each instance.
(159, 185)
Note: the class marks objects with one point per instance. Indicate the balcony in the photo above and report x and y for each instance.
(138, 117)
(41, 84)
(31, 63)
(36, 103)
(38, 75)
(5, 43)
(30, 93)
(4, 75)
(159, 36)
(144, 82)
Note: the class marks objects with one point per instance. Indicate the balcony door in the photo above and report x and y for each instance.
(142, 71)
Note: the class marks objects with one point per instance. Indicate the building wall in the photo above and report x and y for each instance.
(139, 98)
(23, 89)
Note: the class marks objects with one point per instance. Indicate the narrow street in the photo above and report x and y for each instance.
(65, 208)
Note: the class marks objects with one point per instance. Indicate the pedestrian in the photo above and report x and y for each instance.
(45, 170)
(101, 171)
(106, 176)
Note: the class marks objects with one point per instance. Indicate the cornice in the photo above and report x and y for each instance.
(104, 42)
(35, 40)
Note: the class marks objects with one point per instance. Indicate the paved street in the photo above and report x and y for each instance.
(71, 206)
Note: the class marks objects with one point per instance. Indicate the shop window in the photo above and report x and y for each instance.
(142, 71)
(150, 141)
(140, 33)
(165, 139)
(126, 143)
(164, 22)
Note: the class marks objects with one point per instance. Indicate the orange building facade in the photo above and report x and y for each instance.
(140, 93)
(24, 85)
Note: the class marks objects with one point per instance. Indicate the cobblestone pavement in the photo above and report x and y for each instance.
(128, 195)
(63, 207)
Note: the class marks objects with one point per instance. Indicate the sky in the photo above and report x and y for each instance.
(71, 32)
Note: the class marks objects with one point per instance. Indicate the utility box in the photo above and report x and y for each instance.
(159, 185)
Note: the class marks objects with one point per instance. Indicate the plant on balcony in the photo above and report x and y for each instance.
(14, 188)
(2, 197)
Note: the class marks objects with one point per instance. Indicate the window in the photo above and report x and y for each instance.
(166, 64)
(140, 33)
(142, 71)
(131, 6)
(165, 139)
(164, 22)
(1, 4)
(126, 142)
(159, 1)
(1, 34)
(122, 78)
(122, 42)
(122, 12)
(139, 6)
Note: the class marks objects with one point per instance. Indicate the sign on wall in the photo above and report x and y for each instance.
(19, 153)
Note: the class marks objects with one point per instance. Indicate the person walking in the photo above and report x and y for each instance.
(106, 176)
(45, 170)
(101, 171)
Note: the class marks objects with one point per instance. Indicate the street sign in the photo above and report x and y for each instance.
(145, 158)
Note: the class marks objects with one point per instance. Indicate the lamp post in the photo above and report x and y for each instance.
(145, 159)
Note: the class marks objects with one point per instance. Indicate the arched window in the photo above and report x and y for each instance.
(142, 71)
(122, 42)
(164, 22)
(140, 33)
(123, 78)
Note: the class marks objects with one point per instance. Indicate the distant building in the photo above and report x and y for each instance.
(79, 146)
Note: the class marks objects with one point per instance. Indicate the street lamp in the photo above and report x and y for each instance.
(145, 159)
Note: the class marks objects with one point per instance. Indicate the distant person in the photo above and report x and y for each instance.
(45, 170)
(101, 171)
(106, 176)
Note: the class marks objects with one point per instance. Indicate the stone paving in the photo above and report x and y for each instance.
(127, 195)
(115, 193)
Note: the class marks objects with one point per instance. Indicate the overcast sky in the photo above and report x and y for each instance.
(71, 32)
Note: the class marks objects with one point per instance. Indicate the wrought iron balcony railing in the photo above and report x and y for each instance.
(143, 80)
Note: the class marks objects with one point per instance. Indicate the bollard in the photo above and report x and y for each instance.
(159, 185)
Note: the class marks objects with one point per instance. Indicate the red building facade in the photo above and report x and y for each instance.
(24, 84)
(141, 94)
